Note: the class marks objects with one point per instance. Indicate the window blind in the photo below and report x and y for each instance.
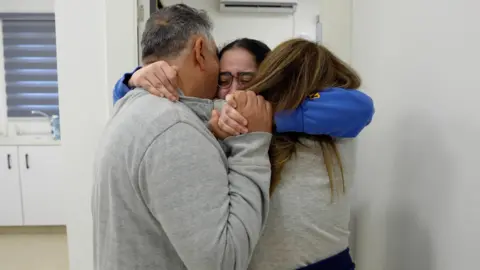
(30, 64)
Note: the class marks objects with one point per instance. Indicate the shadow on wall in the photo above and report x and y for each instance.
(418, 195)
(349, 161)
(363, 216)
(353, 233)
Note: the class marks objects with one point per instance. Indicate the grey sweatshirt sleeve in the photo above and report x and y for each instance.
(218, 104)
(212, 212)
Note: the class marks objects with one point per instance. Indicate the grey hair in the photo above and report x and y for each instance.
(169, 29)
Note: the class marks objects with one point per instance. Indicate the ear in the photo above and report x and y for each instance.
(199, 48)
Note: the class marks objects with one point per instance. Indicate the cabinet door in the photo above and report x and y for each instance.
(10, 190)
(42, 185)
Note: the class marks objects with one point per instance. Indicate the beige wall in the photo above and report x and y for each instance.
(33, 248)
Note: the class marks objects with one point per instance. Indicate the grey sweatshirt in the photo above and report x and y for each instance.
(305, 224)
(166, 196)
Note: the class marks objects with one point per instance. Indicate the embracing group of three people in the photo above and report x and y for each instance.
(227, 160)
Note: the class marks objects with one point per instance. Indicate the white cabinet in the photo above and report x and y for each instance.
(10, 188)
(42, 188)
(36, 198)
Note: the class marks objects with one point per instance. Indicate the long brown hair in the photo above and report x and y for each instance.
(291, 73)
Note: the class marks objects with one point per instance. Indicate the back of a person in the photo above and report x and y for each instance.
(304, 224)
(126, 234)
(308, 222)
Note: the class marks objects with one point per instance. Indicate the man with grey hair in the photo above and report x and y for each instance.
(166, 196)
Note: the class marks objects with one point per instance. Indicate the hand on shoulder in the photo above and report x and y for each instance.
(158, 78)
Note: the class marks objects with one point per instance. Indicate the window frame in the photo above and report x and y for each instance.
(17, 126)
(3, 90)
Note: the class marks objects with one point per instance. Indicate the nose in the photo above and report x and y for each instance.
(233, 87)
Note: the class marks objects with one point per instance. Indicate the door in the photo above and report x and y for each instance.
(42, 185)
(143, 13)
(10, 189)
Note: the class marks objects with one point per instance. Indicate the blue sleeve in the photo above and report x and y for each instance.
(121, 88)
(336, 112)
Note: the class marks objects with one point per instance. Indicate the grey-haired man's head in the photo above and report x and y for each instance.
(181, 35)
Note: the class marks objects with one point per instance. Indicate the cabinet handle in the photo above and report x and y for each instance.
(9, 161)
(26, 162)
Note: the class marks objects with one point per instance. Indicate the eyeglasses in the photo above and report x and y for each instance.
(225, 79)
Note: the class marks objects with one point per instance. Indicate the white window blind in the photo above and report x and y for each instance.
(29, 49)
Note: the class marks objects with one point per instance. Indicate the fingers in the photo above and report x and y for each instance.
(233, 114)
(252, 99)
(269, 109)
(151, 83)
(166, 80)
(142, 80)
(232, 121)
(159, 79)
(260, 100)
(145, 83)
(231, 100)
(240, 98)
(265, 105)
(245, 100)
(163, 92)
(227, 129)
(213, 122)
(214, 126)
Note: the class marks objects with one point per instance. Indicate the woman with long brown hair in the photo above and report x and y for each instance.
(307, 226)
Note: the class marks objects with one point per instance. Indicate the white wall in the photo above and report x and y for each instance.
(26, 6)
(273, 29)
(418, 176)
(96, 43)
(270, 28)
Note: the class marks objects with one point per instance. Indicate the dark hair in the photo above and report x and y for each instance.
(257, 48)
(169, 29)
